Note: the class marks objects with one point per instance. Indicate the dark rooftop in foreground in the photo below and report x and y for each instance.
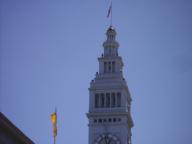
(10, 134)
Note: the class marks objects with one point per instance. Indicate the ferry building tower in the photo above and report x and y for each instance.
(109, 114)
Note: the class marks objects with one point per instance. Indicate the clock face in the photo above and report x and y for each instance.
(107, 140)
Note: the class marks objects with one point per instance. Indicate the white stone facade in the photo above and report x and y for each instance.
(109, 115)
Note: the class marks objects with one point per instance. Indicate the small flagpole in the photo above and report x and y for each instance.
(55, 109)
(56, 122)
(111, 12)
(54, 140)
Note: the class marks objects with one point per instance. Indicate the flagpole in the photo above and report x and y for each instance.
(55, 109)
(56, 122)
(54, 140)
(111, 12)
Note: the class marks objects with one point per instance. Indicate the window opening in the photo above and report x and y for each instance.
(102, 100)
(105, 67)
(118, 99)
(109, 66)
(96, 100)
(113, 99)
(113, 66)
(107, 99)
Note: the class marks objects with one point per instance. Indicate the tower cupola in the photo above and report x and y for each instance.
(111, 45)
(111, 33)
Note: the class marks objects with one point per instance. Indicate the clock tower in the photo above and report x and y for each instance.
(109, 114)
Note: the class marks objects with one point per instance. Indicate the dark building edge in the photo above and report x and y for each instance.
(12, 131)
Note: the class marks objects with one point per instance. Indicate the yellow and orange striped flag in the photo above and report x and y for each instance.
(54, 122)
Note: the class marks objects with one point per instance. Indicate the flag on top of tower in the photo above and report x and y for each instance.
(109, 10)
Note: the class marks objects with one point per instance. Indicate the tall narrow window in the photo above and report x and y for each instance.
(109, 51)
(113, 66)
(107, 99)
(109, 66)
(96, 100)
(113, 99)
(102, 100)
(118, 99)
(105, 67)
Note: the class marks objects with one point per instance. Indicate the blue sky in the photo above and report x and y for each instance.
(48, 56)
